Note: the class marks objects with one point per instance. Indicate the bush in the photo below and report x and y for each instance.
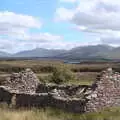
(61, 75)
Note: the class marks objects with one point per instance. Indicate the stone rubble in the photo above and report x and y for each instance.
(25, 81)
(26, 90)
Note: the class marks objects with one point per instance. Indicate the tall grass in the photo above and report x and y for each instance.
(55, 114)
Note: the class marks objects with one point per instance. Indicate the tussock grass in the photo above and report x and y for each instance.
(55, 114)
(25, 115)
(45, 68)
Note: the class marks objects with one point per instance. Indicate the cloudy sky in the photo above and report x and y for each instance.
(58, 24)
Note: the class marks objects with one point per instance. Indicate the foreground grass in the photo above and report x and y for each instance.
(53, 114)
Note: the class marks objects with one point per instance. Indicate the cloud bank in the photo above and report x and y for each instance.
(101, 17)
(16, 35)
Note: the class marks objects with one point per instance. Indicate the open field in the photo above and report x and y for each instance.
(85, 73)
(45, 66)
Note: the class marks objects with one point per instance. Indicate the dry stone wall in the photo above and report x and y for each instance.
(24, 81)
(32, 100)
(106, 93)
(24, 90)
(5, 95)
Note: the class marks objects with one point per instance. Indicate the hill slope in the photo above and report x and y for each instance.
(78, 53)
(4, 54)
(88, 52)
(39, 52)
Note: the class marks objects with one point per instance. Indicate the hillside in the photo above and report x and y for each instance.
(4, 54)
(77, 53)
(88, 52)
(39, 52)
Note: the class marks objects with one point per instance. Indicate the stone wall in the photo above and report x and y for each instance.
(50, 99)
(106, 93)
(32, 100)
(24, 81)
(71, 105)
(5, 96)
(29, 92)
(55, 98)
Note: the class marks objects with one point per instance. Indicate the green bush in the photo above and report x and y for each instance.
(62, 75)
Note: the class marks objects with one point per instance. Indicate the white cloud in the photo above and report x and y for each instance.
(69, 1)
(19, 20)
(36, 37)
(29, 41)
(13, 46)
(46, 37)
(17, 25)
(64, 14)
(101, 17)
(112, 39)
(15, 32)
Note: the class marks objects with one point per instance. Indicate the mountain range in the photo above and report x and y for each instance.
(84, 52)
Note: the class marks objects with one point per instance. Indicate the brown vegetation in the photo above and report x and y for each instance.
(85, 74)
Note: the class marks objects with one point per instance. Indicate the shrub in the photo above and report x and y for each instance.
(61, 75)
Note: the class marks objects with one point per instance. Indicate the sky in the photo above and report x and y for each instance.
(58, 24)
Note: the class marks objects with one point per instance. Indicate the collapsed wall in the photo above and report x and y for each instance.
(106, 92)
(24, 81)
(24, 90)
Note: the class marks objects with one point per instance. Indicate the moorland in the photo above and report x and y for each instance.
(84, 74)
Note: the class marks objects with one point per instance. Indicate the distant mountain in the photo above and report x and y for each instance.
(88, 52)
(39, 52)
(91, 52)
(114, 53)
(4, 54)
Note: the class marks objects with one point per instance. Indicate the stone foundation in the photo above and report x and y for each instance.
(105, 92)
(52, 98)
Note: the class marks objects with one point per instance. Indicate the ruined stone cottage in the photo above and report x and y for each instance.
(23, 89)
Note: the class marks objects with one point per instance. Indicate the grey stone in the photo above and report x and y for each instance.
(25, 90)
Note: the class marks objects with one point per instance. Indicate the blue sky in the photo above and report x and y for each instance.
(58, 24)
